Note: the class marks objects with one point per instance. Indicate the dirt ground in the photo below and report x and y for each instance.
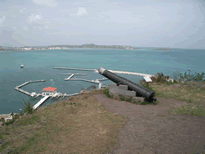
(150, 129)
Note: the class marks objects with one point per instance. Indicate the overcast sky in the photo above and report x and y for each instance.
(143, 23)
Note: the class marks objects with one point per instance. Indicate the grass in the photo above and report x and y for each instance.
(82, 125)
(185, 88)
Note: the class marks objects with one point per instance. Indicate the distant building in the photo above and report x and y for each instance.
(27, 48)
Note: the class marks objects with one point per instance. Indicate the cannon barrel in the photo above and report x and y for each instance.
(140, 90)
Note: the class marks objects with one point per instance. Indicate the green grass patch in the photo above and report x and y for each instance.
(106, 92)
(29, 120)
(190, 110)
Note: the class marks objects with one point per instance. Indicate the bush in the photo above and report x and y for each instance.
(187, 77)
(2, 119)
(27, 107)
(106, 92)
(160, 78)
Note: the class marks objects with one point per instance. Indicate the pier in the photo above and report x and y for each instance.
(69, 77)
(25, 92)
(130, 73)
(80, 79)
(40, 102)
(96, 71)
(74, 69)
(29, 82)
(74, 74)
(92, 81)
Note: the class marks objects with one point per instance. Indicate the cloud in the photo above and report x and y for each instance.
(25, 28)
(34, 18)
(81, 11)
(50, 3)
(2, 20)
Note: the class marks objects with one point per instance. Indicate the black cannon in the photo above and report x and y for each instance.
(140, 90)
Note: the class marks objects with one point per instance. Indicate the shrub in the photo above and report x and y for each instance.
(2, 119)
(187, 77)
(160, 78)
(27, 107)
(106, 92)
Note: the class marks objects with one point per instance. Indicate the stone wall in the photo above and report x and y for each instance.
(123, 91)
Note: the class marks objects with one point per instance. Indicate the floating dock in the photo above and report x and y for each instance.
(29, 82)
(74, 74)
(92, 81)
(96, 71)
(69, 77)
(40, 102)
(75, 69)
(25, 92)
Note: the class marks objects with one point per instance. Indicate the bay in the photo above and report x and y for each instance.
(38, 65)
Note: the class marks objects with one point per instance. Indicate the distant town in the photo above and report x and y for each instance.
(65, 47)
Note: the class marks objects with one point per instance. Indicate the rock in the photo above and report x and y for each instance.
(137, 99)
(1, 124)
(127, 97)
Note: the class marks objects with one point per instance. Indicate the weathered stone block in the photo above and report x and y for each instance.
(122, 92)
(137, 99)
(131, 93)
(127, 97)
(123, 87)
(113, 90)
(113, 86)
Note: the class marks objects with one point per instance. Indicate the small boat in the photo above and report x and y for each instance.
(22, 66)
(51, 79)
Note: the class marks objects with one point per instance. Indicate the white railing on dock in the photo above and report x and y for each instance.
(69, 77)
(40, 102)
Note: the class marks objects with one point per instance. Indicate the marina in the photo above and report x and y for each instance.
(52, 93)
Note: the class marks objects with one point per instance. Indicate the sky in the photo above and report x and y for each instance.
(141, 23)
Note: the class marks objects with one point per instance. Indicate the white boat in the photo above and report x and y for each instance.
(33, 94)
(22, 66)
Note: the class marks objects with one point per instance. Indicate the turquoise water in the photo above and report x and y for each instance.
(39, 65)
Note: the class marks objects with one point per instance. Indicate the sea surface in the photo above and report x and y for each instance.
(38, 65)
